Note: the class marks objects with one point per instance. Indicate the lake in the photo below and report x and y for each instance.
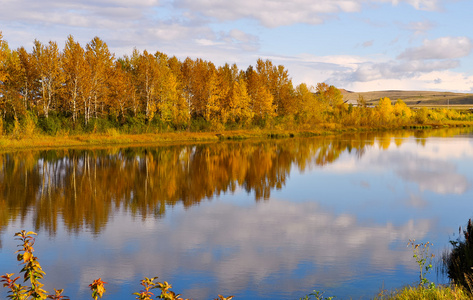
(270, 219)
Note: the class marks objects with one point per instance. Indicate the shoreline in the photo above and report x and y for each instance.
(114, 138)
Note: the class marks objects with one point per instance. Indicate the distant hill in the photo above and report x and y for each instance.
(413, 98)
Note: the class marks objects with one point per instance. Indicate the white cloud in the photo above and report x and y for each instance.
(205, 42)
(243, 37)
(273, 13)
(419, 27)
(376, 72)
(392, 69)
(434, 81)
(424, 4)
(81, 14)
(270, 13)
(441, 48)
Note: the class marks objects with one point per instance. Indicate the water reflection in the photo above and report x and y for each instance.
(233, 249)
(85, 186)
(308, 225)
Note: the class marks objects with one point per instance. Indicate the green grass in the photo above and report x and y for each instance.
(416, 293)
(440, 292)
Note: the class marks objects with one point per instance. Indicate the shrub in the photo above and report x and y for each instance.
(50, 125)
(29, 124)
(422, 115)
(199, 124)
(135, 124)
(459, 261)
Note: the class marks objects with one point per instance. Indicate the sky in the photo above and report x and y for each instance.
(358, 45)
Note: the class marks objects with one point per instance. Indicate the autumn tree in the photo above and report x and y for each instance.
(185, 72)
(29, 76)
(74, 67)
(240, 110)
(330, 96)
(180, 114)
(11, 86)
(212, 99)
(261, 98)
(220, 91)
(181, 110)
(170, 102)
(422, 115)
(121, 91)
(277, 81)
(130, 66)
(308, 108)
(3, 55)
(100, 62)
(331, 99)
(361, 101)
(227, 78)
(204, 88)
(385, 110)
(148, 78)
(401, 111)
(47, 63)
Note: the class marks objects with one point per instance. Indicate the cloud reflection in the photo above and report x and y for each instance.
(429, 172)
(259, 248)
(434, 166)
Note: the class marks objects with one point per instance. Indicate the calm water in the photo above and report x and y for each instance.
(259, 220)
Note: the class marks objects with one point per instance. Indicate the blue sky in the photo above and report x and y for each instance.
(359, 45)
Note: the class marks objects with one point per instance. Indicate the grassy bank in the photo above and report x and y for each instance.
(409, 293)
(114, 137)
(415, 293)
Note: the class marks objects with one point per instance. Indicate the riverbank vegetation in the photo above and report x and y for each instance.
(457, 264)
(87, 91)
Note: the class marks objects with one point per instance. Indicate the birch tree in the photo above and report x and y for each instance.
(47, 63)
(74, 68)
(100, 62)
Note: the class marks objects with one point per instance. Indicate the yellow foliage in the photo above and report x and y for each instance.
(401, 110)
(240, 103)
(385, 110)
(3, 56)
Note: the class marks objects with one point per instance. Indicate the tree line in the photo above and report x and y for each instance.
(82, 87)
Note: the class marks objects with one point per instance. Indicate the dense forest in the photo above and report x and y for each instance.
(87, 89)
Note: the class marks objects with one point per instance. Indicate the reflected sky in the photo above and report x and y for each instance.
(234, 249)
(341, 227)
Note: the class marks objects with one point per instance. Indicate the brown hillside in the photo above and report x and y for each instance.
(413, 98)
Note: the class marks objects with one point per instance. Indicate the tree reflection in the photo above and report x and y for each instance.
(84, 187)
